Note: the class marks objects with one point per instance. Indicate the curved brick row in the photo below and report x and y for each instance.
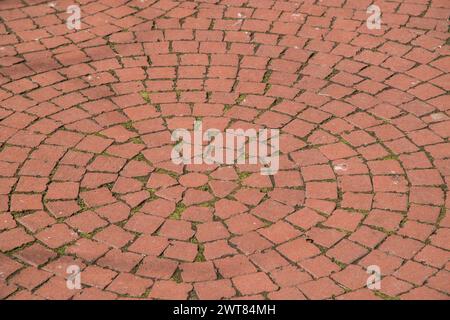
(86, 176)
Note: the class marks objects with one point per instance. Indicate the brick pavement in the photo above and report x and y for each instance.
(86, 177)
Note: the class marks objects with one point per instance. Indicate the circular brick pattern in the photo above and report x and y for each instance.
(86, 176)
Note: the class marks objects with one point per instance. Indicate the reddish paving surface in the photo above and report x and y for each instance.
(85, 171)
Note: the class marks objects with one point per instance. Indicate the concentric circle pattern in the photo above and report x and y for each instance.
(87, 180)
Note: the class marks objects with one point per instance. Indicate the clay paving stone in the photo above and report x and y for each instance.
(120, 261)
(35, 255)
(211, 231)
(394, 287)
(193, 180)
(24, 295)
(94, 294)
(106, 164)
(272, 210)
(97, 277)
(197, 271)
(367, 236)
(63, 208)
(387, 220)
(179, 230)
(390, 201)
(8, 266)
(387, 262)
(118, 133)
(6, 221)
(136, 169)
(279, 232)
(288, 179)
(222, 189)
(288, 196)
(114, 212)
(56, 235)
(402, 247)
(355, 183)
(298, 250)
(126, 150)
(324, 237)
(344, 220)
(69, 173)
(6, 290)
(322, 206)
(290, 293)
(136, 198)
(76, 158)
(289, 276)
(97, 197)
(441, 237)
(254, 283)
(193, 196)
(25, 202)
(425, 293)
(250, 242)
(158, 268)
(214, 290)
(114, 236)
(305, 218)
(149, 245)
(87, 250)
(157, 180)
(86, 222)
(440, 281)
(126, 185)
(319, 266)
(323, 288)
(414, 272)
(170, 290)
(4, 205)
(249, 196)
(6, 185)
(55, 289)
(94, 144)
(358, 201)
(160, 207)
(184, 251)
(321, 190)
(217, 249)
(234, 266)
(423, 195)
(268, 260)
(36, 221)
(198, 214)
(14, 154)
(30, 277)
(143, 223)
(62, 191)
(243, 223)
(129, 284)
(423, 213)
(225, 208)
(432, 256)
(419, 231)
(258, 181)
(13, 238)
(347, 251)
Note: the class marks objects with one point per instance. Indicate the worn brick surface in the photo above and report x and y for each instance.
(86, 177)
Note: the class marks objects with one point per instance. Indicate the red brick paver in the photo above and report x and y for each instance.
(86, 177)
